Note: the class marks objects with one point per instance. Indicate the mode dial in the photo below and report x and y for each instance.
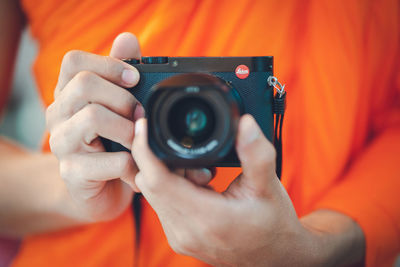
(154, 60)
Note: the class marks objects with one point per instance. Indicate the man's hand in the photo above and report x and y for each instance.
(90, 101)
(252, 223)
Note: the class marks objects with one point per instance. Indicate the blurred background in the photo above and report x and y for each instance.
(23, 120)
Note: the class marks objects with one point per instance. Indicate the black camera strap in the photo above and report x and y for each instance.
(137, 212)
(278, 108)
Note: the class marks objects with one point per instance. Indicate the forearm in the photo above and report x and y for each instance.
(336, 240)
(33, 197)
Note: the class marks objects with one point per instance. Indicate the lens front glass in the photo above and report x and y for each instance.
(196, 121)
(191, 121)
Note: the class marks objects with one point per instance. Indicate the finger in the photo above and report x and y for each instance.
(87, 87)
(125, 46)
(156, 180)
(156, 174)
(200, 177)
(111, 69)
(86, 125)
(99, 167)
(158, 184)
(179, 171)
(257, 156)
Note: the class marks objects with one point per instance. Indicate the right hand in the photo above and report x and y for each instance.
(90, 101)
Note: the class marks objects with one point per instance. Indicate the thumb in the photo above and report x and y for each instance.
(155, 174)
(257, 156)
(126, 45)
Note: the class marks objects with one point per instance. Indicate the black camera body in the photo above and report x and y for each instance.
(193, 105)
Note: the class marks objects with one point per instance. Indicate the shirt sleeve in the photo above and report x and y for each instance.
(369, 190)
(370, 194)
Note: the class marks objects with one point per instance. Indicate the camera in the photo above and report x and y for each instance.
(193, 106)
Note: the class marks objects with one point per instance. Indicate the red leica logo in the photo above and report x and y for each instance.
(242, 71)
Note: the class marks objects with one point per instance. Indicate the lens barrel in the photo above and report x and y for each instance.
(192, 119)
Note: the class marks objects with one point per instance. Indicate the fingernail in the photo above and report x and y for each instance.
(206, 172)
(139, 127)
(199, 176)
(203, 172)
(250, 130)
(129, 76)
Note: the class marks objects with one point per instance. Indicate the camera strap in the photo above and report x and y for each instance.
(278, 109)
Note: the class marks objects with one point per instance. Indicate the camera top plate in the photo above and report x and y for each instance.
(201, 64)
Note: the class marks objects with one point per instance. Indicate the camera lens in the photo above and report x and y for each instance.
(191, 121)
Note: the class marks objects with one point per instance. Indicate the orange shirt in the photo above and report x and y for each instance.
(340, 62)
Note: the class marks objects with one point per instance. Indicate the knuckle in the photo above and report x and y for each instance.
(80, 87)
(65, 109)
(83, 79)
(110, 65)
(54, 142)
(71, 169)
(49, 115)
(151, 184)
(58, 139)
(62, 139)
(90, 114)
(268, 154)
(72, 58)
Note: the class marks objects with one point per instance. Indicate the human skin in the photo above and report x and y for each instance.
(253, 222)
(89, 178)
(90, 101)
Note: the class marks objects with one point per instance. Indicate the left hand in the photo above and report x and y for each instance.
(252, 223)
